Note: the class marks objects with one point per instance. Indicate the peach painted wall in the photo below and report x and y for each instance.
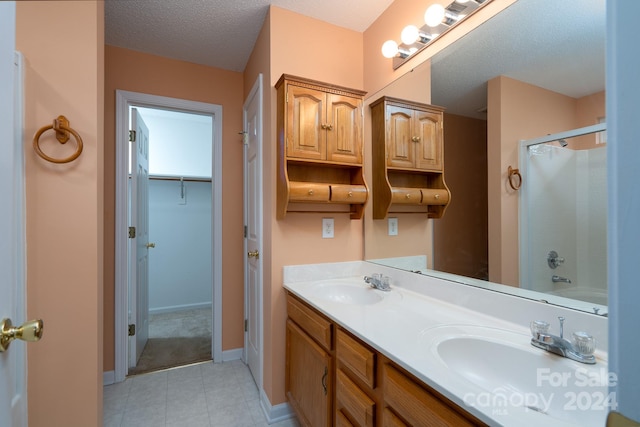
(63, 44)
(139, 72)
(509, 121)
(306, 47)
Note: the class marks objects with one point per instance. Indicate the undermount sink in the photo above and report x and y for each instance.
(503, 373)
(347, 292)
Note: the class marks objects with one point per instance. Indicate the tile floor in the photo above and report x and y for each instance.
(204, 394)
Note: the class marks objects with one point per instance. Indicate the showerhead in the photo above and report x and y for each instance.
(562, 142)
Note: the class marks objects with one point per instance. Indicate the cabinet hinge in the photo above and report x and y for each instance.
(132, 330)
(132, 136)
(132, 232)
(245, 231)
(246, 325)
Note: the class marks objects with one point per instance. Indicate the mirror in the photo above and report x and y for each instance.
(490, 81)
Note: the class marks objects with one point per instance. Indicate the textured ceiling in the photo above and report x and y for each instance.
(218, 33)
(556, 45)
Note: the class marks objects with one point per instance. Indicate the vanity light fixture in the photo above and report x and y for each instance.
(438, 20)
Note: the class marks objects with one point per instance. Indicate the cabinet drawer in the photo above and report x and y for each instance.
(308, 192)
(407, 196)
(358, 358)
(356, 402)
(432, 196)
(417, 405)
(316, 326)
(356, 194)
(389, 419)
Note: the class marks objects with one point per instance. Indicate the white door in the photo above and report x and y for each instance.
(13, 411)
(253, 230)
(139, 274)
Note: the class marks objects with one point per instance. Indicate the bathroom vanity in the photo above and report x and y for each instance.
(428, 352)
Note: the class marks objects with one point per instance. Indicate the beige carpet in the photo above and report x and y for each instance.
(163, 353)
(176, 339)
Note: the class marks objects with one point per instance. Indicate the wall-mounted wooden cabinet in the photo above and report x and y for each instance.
(408, 165)
(320, 143)
(333, 378)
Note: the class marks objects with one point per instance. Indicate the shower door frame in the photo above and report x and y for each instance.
(523, 216)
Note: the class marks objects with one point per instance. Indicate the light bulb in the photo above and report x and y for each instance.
(410, 34)
(389, 49)
(434, 15)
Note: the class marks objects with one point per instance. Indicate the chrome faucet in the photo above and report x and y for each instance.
(581, 352)
(378, 281)
(555, 279)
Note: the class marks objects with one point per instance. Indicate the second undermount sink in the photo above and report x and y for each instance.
(347, 292)
(503, 371)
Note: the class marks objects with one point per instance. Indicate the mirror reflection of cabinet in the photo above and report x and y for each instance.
(408, 171)
(320, 147)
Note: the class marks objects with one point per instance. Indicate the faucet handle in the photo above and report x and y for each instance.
(561, 319)
(538, 327)
(584, 343)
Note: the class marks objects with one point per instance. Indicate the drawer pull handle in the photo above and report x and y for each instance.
(324, 380)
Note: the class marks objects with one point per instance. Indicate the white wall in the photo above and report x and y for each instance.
(180, 143)
(623, 134)
(180, 267)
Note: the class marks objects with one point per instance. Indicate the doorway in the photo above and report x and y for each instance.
(177, 187)
(178, 291)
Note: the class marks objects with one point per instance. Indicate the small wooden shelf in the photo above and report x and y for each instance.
(320, 140)
(408, 163)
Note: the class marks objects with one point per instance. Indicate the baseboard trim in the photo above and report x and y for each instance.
(108, 378)
(275, 413)
(235, 354)
(172, 308)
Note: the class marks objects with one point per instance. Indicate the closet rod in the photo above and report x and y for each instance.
(177, 178)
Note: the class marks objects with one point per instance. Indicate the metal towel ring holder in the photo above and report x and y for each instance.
(511, 172)
(62, 129)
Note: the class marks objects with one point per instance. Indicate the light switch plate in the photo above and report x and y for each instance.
(393, 226)
(327, 228)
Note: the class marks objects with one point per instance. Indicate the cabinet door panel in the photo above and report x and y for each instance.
(428, 148)
(308, 379)
(400, 148)
(344, 132)
(305, 136)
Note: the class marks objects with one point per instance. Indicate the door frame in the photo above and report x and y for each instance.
(256, 93)
(125, 100)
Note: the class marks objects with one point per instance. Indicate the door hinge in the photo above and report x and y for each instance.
(132, 136)
(132, 232)
(246, 325)
(245, 231)
(132, 330)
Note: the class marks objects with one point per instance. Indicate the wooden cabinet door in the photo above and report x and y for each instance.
(305, 134)
(344, 129)
(400, 135)
(308, 378)
(428, 128)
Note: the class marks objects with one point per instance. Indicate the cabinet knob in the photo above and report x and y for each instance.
(416, 139)
(329, 127)
(323, 126)
(350, 194)
(437, 196)
(311, 192)
(408, 196)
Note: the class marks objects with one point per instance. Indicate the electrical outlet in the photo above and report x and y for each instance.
(393, 226)
(327, 228)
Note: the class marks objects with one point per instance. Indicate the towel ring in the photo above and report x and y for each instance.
(511, 172)
(62, 129)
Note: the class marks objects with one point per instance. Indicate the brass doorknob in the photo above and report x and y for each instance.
(151, 245)
(253, 254)
(28, 331)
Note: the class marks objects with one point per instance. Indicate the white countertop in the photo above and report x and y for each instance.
(407, 324)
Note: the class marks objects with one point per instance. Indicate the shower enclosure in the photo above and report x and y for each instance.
(563, 215)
